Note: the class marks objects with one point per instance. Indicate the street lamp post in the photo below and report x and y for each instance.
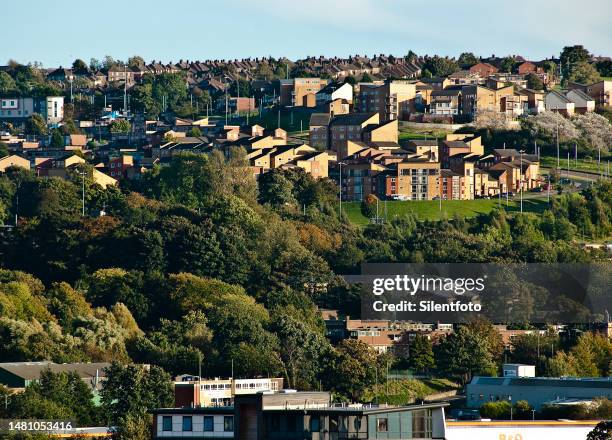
(510, 400)
(340, 184)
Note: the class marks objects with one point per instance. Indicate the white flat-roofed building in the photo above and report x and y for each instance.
(189, 391)
(17, 109)
(519, 370)
(519, 429)
(197, 423)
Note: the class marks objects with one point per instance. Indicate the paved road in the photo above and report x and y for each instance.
(584, 175)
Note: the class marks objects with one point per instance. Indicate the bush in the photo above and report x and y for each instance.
(496, 410)
(368, 206)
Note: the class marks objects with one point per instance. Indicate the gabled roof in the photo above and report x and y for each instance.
(506, 152)
(456, 144)
(446, 92)
(351, 119)
(319, 119)
(560, 96)
(32, 370)
(423, 142)
(580, 94)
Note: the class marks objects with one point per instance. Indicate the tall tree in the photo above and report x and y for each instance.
(7, 84)
(36, 125)
(463, 354)
(467, 60)
(570, 56)
(132, 390)
(79, 67)
(583, 72)
(421, 354)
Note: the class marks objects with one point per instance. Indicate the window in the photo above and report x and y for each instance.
(291, 423)
(333, 423)
(421, 424)
(357, 423)
(187, 423)
(228, 423)
(382, 425)
(315, 424)
(209, 423)
(167, 423)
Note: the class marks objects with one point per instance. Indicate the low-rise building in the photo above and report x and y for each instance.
(393, 100)
(583, 103)
(601, 92)
(18, 110)
(557, 102)
(334, 91)
(18, 375)
(13, 161)
(191, 391)
(300, 92)
(292, 415)
(483, 69)
(538, 391)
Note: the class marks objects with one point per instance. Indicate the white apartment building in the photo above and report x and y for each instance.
(16, 109)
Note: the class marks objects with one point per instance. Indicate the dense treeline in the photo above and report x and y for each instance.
(196, 262)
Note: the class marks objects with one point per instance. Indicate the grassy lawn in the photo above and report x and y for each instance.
(403, 392)
(583, 164)
(430, 209)
(432, 134)
(299, 120)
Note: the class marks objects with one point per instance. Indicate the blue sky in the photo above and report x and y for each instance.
(56, 32)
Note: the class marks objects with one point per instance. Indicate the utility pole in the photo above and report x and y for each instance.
(558, 160)
(576, 155)
(83, 192)
(125, 90)
(599, 160)
(521, 179)
(340, 167)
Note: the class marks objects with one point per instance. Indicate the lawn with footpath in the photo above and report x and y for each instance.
(430, 209)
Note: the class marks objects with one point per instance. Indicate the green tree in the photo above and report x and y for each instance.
(121, 126)
(603, 431)
(421, 354)
(463, 354)
(496, 410)
(79, 67)
(508, 64)
(132, 390)
(583, 72)
(301, 351)
(7, 84)
(57, 140)
(570, 56)
(36, 125)
(136, 61)
(142, 100)
(275, 189)
(353, 368)
(240, 88)
(440, 66)
(4, 151)
(467, 60)
(534, 82)
(194, 132)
